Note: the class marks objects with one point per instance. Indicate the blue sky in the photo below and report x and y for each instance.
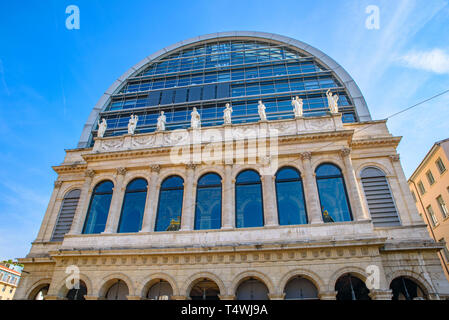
(51, 77)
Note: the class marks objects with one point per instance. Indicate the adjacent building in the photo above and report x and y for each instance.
(429, 185)
(9, 280)
(234, 165)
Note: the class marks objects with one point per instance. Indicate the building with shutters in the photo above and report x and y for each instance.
(9, 280)
(429, 185)
(276, 194)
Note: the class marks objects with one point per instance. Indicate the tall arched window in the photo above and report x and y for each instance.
(290, 197)
(98, 208)
(333, 196)
(378, 196)
(248, 200)
(208, 202)
(133, 206)
(66, 215)
(170, 204)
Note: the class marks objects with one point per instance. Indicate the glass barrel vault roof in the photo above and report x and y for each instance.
(239, 68)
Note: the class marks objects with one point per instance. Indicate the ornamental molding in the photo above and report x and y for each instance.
(395, 157)
(89, 173)
(345, 152)
(364, 143)
(306, 155)
(71, 168)
(58, 183)
(155, 168)
(239, 256)
(121, 171)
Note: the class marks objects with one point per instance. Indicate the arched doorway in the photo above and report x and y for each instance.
(117, 291)
(41, 292)
(300, 288)
(405, 288)
(161, 290)
(77, 294)
(252, 289)
(205, 289)
(350, 287)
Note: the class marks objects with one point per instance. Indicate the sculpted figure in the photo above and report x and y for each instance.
(132, 124)
(332, 101)
(101, 128)
(195, 121)
(261, 109)
(161, 121)
(297, 107)
(227, 114)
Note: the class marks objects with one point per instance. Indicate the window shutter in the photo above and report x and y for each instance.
(378, 195)
(66, 214)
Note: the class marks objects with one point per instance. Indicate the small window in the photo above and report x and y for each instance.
(440, 165)
(430, 177)
(445, 251)
(414, 197)
(421, 188)
(442, 206)
(432, 216)
(66, 214)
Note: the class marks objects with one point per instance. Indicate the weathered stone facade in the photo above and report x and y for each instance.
(273, 254)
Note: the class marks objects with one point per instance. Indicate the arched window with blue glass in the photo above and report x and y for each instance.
(248, 200)
(133, 206)
(332, 192)
(290, 197)
(208, 202)
(170, 204)
(100, 202)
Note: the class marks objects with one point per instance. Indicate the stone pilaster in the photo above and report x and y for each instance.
(228, 212)
(328, 295)
(269, 201)
(413, 214)
(311, 190)
(351, 185)
(81, 209)
(276, 296)
(188, 207)
(149, 216)
(49, 213)
(116, 202)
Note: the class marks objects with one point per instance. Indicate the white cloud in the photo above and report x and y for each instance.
(435, 60)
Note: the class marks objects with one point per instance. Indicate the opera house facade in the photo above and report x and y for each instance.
(234, 165)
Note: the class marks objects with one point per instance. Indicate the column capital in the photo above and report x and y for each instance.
(226, 297)
(328, 295)
(155, 168)
(121, 171)
(58, 183)
(89, 173)
(395, 157)
(345, 152)
(381, 294)
(276, 296)
(178, 298)
(134, 297)
(306, 155)
(191, 166)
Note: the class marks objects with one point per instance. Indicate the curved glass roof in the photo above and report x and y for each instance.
(210, 73)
